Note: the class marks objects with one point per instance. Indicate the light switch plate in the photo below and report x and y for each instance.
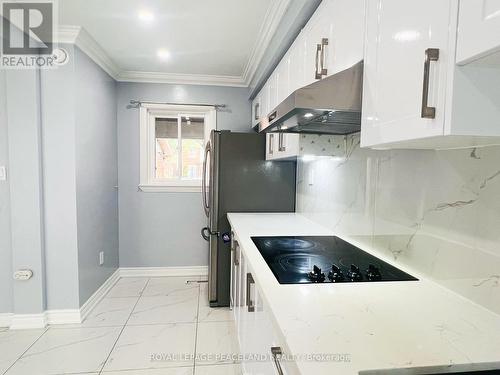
(3, 173)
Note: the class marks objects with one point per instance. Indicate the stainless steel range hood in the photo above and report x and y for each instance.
(331, 106)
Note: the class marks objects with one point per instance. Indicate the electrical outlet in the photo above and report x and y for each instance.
(3, 173)
(23, 275)
(101, 258)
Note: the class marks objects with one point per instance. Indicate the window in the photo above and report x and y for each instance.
(173, 140)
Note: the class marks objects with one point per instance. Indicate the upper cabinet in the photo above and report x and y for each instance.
(256, 110)
(331, 41)
(414, 96)
(333, 38)
(478, 30)
(400, 36)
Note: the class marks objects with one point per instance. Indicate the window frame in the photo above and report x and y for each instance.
(148, 115)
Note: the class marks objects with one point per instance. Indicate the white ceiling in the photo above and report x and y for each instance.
(202, 37)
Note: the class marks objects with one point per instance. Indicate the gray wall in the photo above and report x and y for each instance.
(96, 174)
(26, 188)
(61, 257)
(5, 245)
(162, 229)
(79, 158)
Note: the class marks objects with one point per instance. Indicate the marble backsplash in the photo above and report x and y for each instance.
(437, 212)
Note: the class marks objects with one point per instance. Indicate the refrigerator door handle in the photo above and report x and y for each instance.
(206, 199)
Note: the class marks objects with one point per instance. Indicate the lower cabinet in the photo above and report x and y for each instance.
(260, 344)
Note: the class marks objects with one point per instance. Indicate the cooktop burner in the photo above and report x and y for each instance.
(323, 259)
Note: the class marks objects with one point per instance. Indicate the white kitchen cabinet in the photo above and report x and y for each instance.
(337, 26)
(257, 331)
(317, 34)
(273, 92)
(334, 38)
(479, 31)
(296, 56)
(264, 101)
(414, 96)
(282, 146)
(283, 79)
(256, 111)
(271, 146)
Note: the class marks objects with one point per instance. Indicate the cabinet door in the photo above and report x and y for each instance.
(264, 100)
(271, 146)
(399, 35)
(318, 34)
(273, 91)
(235, 287)
(288, 146)
(297, 63)
(346, 29)
(256, 110)
(478, 29)
(283, 79)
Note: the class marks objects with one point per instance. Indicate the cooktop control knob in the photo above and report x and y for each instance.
(316, 276)
(354, 273)
(335, 275)
(373, 273)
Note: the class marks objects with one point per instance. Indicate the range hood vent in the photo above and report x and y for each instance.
(329, 106)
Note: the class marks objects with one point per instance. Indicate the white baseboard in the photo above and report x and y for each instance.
(68, 316)
(6, 320)
(28, 321)
(163, 271)
(98, 295)
(76, 316)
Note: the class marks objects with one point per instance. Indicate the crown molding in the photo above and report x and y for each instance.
(185, 79)
(81, 38)
(272, 19)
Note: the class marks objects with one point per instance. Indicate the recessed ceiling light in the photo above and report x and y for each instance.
(163, 54)
(146, 15)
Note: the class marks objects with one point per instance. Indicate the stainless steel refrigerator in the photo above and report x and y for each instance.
(237, 178)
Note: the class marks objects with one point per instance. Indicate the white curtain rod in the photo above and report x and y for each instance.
(138, 103)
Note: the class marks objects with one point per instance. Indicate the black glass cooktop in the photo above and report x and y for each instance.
(323, 259)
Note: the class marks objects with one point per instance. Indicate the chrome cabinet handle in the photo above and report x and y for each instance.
(317, 74)
(324, 43)
(271, 144)
(276, 352)
(256, 111)
(236, 258)
(431, 54)
(282, 147)
(250, 281)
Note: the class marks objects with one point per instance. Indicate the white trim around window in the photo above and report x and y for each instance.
(148, 115)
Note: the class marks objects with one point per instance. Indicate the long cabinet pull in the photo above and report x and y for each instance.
(276, 352)
(250, 281)
(317, 73)
(282, 147)
(236, 255)
(324, 43)
(431, 54)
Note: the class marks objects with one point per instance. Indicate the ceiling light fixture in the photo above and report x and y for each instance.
(146, 15)
(163, 54)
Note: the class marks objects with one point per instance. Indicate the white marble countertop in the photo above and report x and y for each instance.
(379, 325)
